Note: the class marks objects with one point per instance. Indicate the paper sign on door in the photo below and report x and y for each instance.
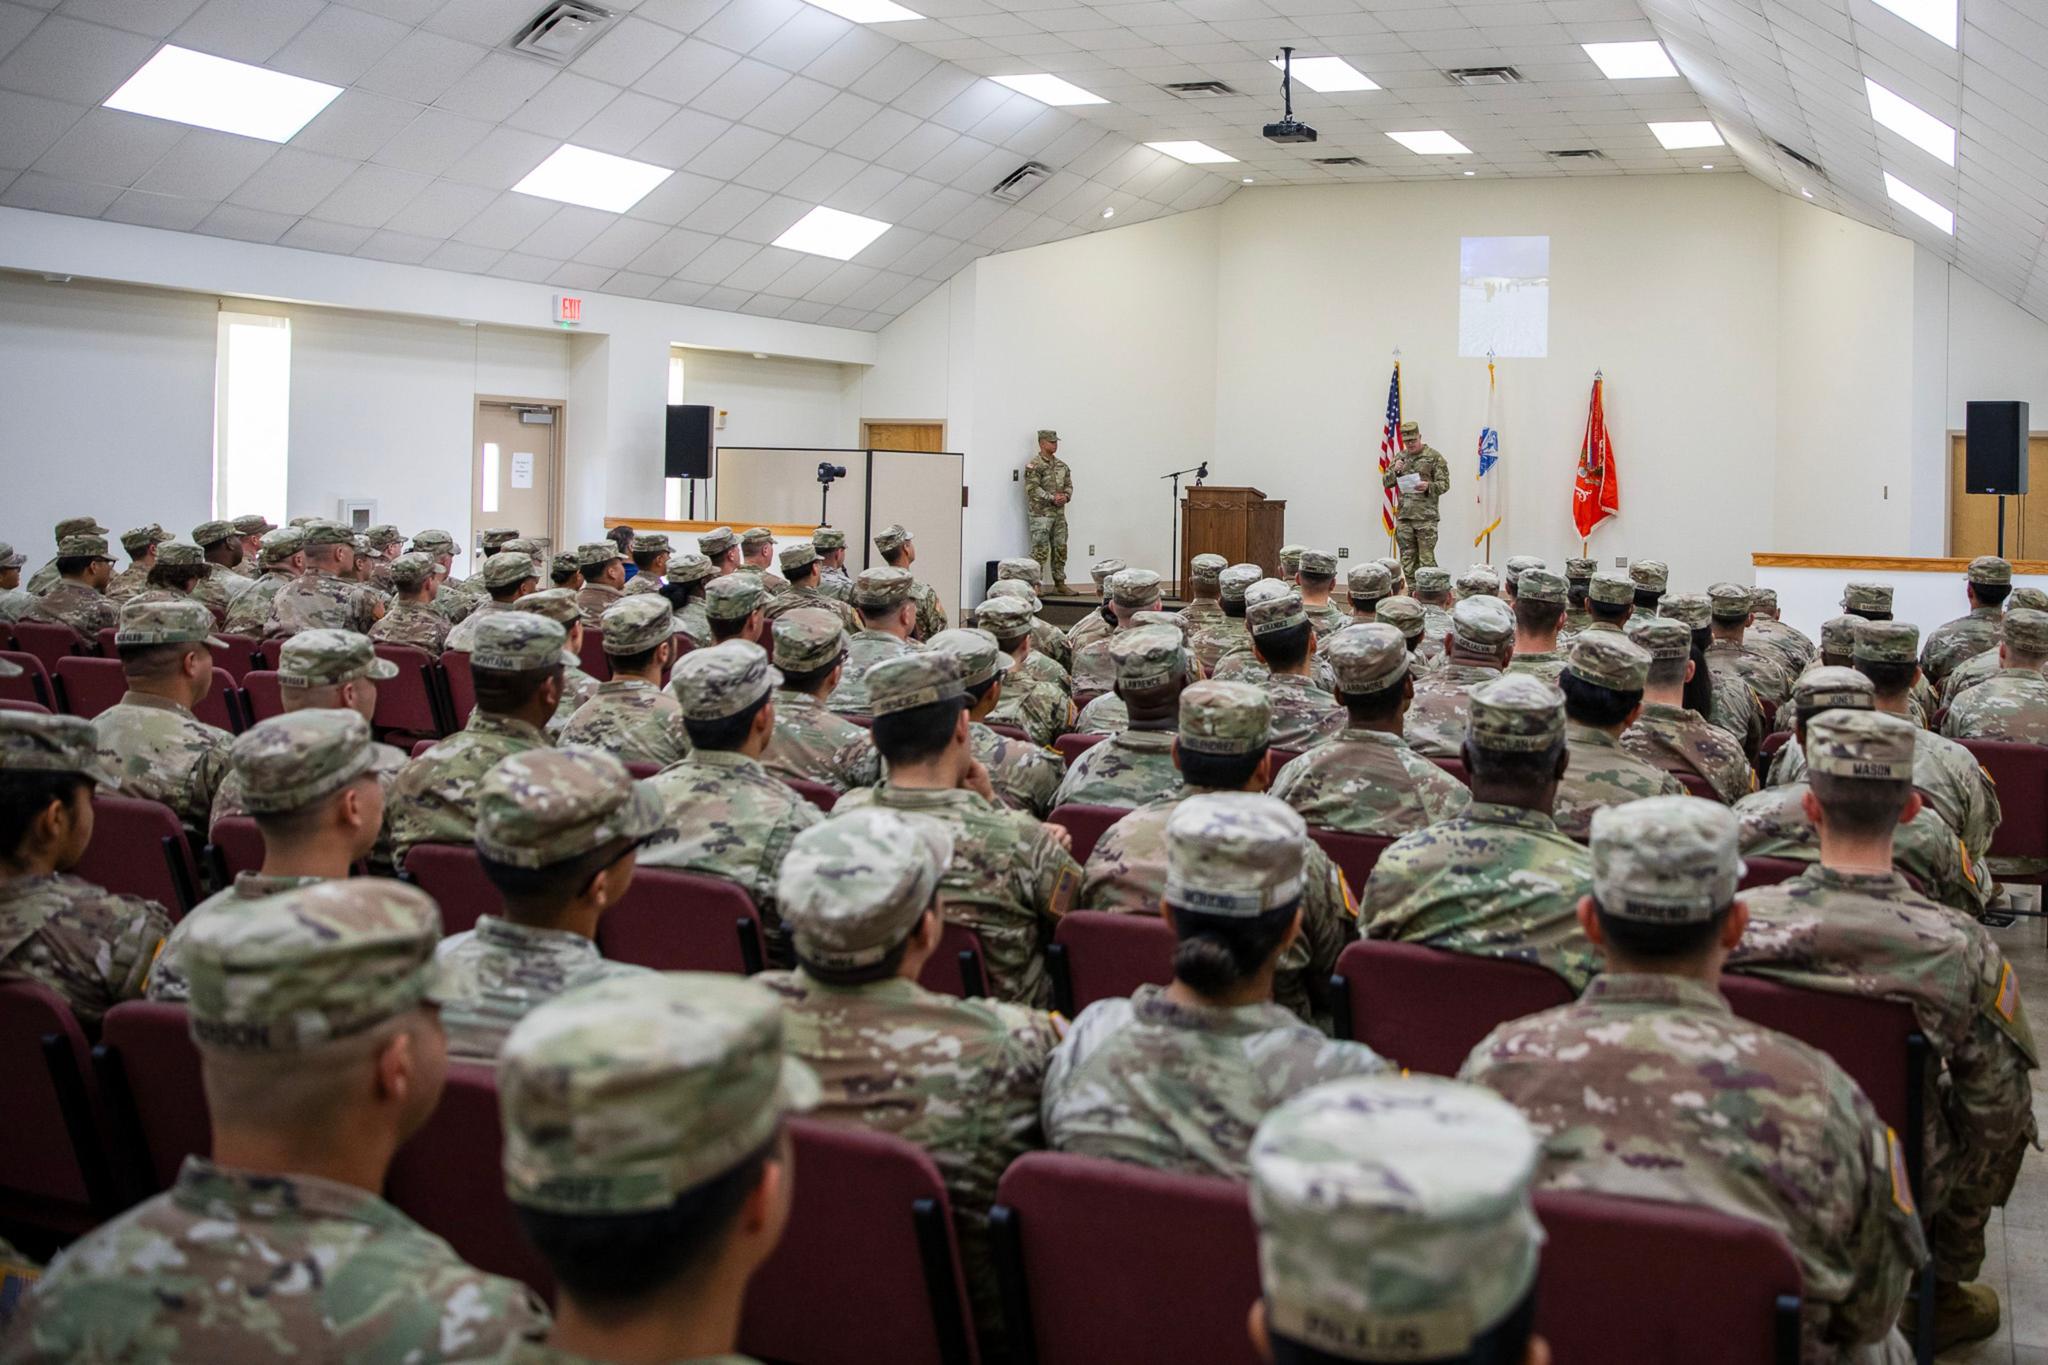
(522, 469)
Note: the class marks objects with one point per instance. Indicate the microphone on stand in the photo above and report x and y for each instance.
(1202, 472)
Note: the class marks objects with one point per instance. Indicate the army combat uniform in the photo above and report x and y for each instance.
(876, 590)
(1046, 476)
(2011, 704)
(1131, 767)
(1416, 515)
(1677, 740)
(629, 718)
(1951, 643)
(155, 748)
(1437, 720)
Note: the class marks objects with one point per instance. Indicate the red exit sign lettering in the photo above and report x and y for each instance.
(568, 310)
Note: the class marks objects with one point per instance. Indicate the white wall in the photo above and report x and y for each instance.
(770, 401)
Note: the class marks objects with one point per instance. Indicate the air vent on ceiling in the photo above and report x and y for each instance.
(1484, 75)
(1339, 160)
(562, 30)
(1577, 154)
(1800, 157)
(1199, 90)
(1021, 181)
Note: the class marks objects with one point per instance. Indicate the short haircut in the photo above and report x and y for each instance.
(1668, 672)
(723, 629)
(1224, 772)
(501, 691)
(1860, 807)
(634, 662)
(874, 616)
(803, 573)
(70, 566)
(1648, 598)
(1888, 678)
(1592, 704)
(811, 679)
(1523, 769)
(647, 559)
(1234, 610)
(177, 577)
(287, 826)
(24, 796)
(1992, 594)
(1217, 952)
(1283, 648)
(1369, 707)
(1612, 612)
(622, 537)
(562, 576)
(1660, 941)
(1366, 604)
(510, 591)
(154, 661)
(1867, 615)
(1504, 1343)
(1537, 618)
(1008, 644)
(918, 734)
(727, 732)
(532, 892)
(893, 557)
(1315, 580)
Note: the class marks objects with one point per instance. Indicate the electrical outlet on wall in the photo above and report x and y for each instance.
(1091, 549)
(1016, 474)
(1621, 561)
(1343, 552)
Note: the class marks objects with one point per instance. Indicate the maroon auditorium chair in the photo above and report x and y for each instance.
(138, 848)
(55, 1177)
(1096, 955)
(1426, 1008)
(454, 876)
(677, 921)
(1086, 824)
(149, 1071)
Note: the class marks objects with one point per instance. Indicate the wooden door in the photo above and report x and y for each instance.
(925, 437)
(513, 475)
(1973, 517)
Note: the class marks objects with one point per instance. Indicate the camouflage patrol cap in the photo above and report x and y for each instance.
(882, 587)
(33, 742)
(634, 625)
(689, 568)
(517, 641)
(800, 555)
(595, 554)
(494, 538)
(1237, 579)
(1432, 580)
(556, 604)
(2026, 632)
(2033, 599)
(381, 536)
(1207, 568)
(1368, 659)
(1538, 584)
(522, 546)
(1318, 564)
(11, 558)
(1147, 656)
(1411, 429)
(853, 887)
(1134, 588)
(433, 542)
(328, 533)
(507, 569)
(361, 544)
(1886, 642)
(734, 597)
(1693, 610)
(909, 681)
(302, 522)
(1274, 612)
(1867, 597)
(138, 541)
(619, 1096)
(256, 524)
(1235, 854)
(183, 622)
(1728, 601)
(1478, 581)
(1763, 599)
(1368, 582)
(1174, 619)
(1023, 592)
(1006, 618)
(212, 532)
(1101, 569)
(1665, 860)
(1663, 637)
(289, 762)
(312, 965)
(1990, 569)
(1394, 1216)
(1403, 613)
(1863, 745)
(180, 554)
(1515, 713)
(563, 564)
(892, 538)
(1483, 622)
(650, 543)
(1581, 568)
(723, 680)
(328, 658)
(828, 538)
(407, 571)
(79, 526)
(1290, 558)
(1521, 564)
(1832, 687)
(83, 547)
(975, 653)
(547, 806)
(1651, 575)
(1838, 635)
(808, 639)
(756, 535)
(1608, 659)
(1611, 589)
(1224, 718)
(280, 545)
(1018, 567)
(1391, 565)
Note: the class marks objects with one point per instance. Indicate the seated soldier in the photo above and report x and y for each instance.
(578, 687)
(1986, 585)
(887, 618)
(321, 1053)
(1500, 880)
(1652, 579)
(1730, 614)
(327, 596)
(722, 814)
(1633, 1088)
(1433, 591)
(757, 556)
(78, 598)
(1177, 1077)
(506, 578)
(1873, 602)
(1539, 611)
(1669, 735)
(833, 580)
(150, 740)
(179, 568)
(1049, 654)
(1225, 635)
(1205, 592)
(1851, 924)
(516, 660)
(604, 580)
(1101, 621)
(1135, 765)
(800, 569)
(281, 560)
(45, 578)
(736, 606)
(811, 742)
(1603, 695)
(631, 716)
(1364, 586)
(1316, 576)
(1404, 614)
(310, 781)
(960, 1078)
(722, 547)
(1731, 704)
(1481, 641)
(898, 548)
(687, 575)
(1792, 650)
(412, 620)
(2012, 704)
(1610, 601)
(556, 831)
(650, 552)
(1283, 638)
(220, 549)
(92, 947)
(140, 543)
(1367, 780)
(1040, 708)
(1022, 775)
(1130, 592)
(647, 1161)
(1395, 1223)
(386, 542)
(563, 573)
(1961, 678)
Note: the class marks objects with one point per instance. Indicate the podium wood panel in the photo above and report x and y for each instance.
(1241, 524)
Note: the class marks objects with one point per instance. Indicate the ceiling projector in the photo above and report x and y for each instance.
(1289, 128)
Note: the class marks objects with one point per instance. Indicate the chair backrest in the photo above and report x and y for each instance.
(103, 640)
(817, 793)
(34, 684)
(682, 922)
(149, 1068)
(234, 652)
(1013, 731)
(409, 701)
(266, 698)
(1086, 824)
(50, 641)
(91, 685)
(461, 684)
(1426, 1008)
(1675, 1258)
(900, 1298)
(1771, 871)
(138, 848)
(958, 967)
(1096, 955)
(596, 662)
(1072, 746)
(454, 876)
(1060, 1220)
(642, 771)
(1454, 766)
(55, 1174)
(1773, 742)
(237, 844)
(32, 707)
(1695, 784)
(269, 652)
(221, 707)
(420, 746)
(2021, 772)
(1354, 854)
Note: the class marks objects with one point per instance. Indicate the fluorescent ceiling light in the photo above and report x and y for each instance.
(1194, 153)
(596, 180)
(1049, 89)
(1630, 61)
(212, 92)
(1935, 17)
(1329, 75)
(828, 232)
(1677, 137)
(1911, 122)
(1906, 197)
(868, 11)
(1434, 143)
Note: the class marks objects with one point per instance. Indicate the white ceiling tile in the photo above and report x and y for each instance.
(790, 105)
(855, 54)
(670, 252)
(29, 124)
(893, 75)
(620, 243)
(725, 300)
(578, 276)
(743, 25)
(440, 210)
(822, 177)
(680, 138)
(433, 142)
(735, 149)
(626, 51)
(627, 284)
(674, 198)
(292, 181)
(338, 46)
(717, 261)
(401, 247)
(684, 16)
(310, 234)
(247, 225)
(245, 30)
(510, 219)
(517, 265)
(171, 211)
(688, 71)
(404, 11)
(806, 38)
(422, 67)
(207, 165)
(487, 23)
(624, 123)
(777, 215)
(778, 165)
(682, 292)
(458, 256)
(16, 22)
(108, 147)
(563, 105)
(356, 124)
(78, 63)
(763, 268)
(881, 133)
(156, 18)
(370, 196)
(859, 193)
(46, 194)
(502, 159)
(496, 87)
(723, 208)
(740, 88)
(567, 233)
(837, 120)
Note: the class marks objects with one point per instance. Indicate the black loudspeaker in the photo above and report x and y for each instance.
(689, 441)
(1996, 448)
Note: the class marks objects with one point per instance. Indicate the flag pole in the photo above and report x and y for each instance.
(1393, 541)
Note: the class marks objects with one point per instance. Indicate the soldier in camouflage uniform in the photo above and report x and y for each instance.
(451, 599)
(1048, 488)
(563, 573)
(1099, 622)
(1500, 880)
(959, 1078)
(1178, 1077)
(1846, 928)
(506, 577)
(687, 575)
(150, 740)
(1970, 671)
(757, 552)
(251, 527)
(604, 579)
(14, 602)
(1222, 748)
(1304, 712)
(578, 687)
(1317, 578)
(646, 1153)
(1037, 706)
(1130, 592)
(78, 598)
(1023, 775)
(1481, 642)
(1367, 780)
(313, 1012)
(1479, 580)
(811, 742)
(1011, 876)
(324, 598)
(1578, 577)
(1135, 765)
(1364, 586)
(1649, 1088)
(556, 832)
(631, 716)
(221, 545)
(1539, 610)
(833, 580)
(310, 780)
(1433, 591)
(1665, 733)
(1792, 650)
(516, 660)
(1047, 638)
(888, 616)
(1729, 607)
(898, 548)
(722, 547)
(1205, 592)
(385, 542)
(45, 578)
(1652, 579)
(1987, 585)
(1396, 1210)
(1603, 695)
(1048, 657)
(2012, 704)
(140, 544)
(1735, 707)
(1404, 614)
(723, 815)
(178, 568)
(1415, 514)
(651, 553)
(280, 561)
(90, 946)
(412, 620)
(489, 541)
(1873, 602)
(800, 565)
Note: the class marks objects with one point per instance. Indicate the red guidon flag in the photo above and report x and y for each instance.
(1596, 493)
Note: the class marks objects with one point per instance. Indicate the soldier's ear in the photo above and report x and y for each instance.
(1589, 922)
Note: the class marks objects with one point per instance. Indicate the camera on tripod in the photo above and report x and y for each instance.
(827, 471)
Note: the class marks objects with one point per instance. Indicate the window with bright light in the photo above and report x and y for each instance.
(490, 476)
(672, 489)
(1504, 296)
(252, 415)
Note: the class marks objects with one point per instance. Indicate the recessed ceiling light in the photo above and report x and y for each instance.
(1329, 75)
(1935, 17)
(1109, 212)
(868, 11)
(1630, 61)
(1049, 89)
(1471, 172)
(1806, 194)
(1911, 122)
(1194, 153)
(597, 180)
(1436, 142)
(1677, 137)
(1906, 197)
(212, 92)
(1706, 165)
(828, 232)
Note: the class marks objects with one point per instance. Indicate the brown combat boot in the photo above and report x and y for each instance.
(1962, 1312)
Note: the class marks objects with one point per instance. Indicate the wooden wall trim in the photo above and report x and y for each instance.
(781, 530)
(1896, 563)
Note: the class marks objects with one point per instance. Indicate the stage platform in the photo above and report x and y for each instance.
(1065, 609)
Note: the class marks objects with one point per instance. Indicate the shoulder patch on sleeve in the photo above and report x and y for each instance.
(1894, 1156)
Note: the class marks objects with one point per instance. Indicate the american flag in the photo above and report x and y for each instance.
(1390, 446)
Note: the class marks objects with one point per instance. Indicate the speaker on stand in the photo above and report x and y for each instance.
(1995, 453)
(689, 452)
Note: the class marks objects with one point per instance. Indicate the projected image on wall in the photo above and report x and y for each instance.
(1504, 296)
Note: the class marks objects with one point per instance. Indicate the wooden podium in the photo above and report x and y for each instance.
(1241, 524)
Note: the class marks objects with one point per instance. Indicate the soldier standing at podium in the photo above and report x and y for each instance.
(1048, 487)
(1415, 520)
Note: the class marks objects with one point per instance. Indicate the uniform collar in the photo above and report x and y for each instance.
(1145, 741)
(723, 758)
(482, 722)
(1888, 882)
(1152, 1006)
(917, 798)
(220, 1193)
(1352, 734)
(1662, 710)
(1644, 988)
(252, 886)
(529, 939)
(1521, 817)
(1578, 733)
(153, 702)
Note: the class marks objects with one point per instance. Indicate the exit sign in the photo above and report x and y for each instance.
(568, 310)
